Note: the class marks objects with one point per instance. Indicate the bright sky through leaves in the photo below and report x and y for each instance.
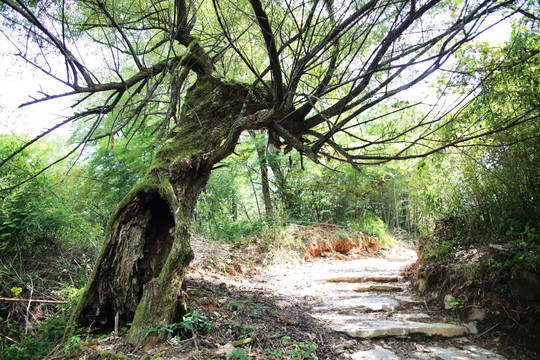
(20, 81)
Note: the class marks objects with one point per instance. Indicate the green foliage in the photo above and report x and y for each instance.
(371, 224)
(294, 350)
(196, 323)
(490, 215)
(38, 344)
(496, 189)
(40, 216)
(193, 323)
(112, 170)
(373, 201)
(238, 354)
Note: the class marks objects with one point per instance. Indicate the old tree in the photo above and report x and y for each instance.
(318, 76)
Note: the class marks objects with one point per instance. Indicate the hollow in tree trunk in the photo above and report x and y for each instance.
(141, 266)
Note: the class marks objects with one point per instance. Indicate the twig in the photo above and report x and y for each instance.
(31, 288)
(242, 342)
(34, 300)
(116, 318)
(488, 330)
(10, 339)
(181, 342)
(510, 316)
(425, 304)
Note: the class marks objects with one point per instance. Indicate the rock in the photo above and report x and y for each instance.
(525, 286)
(410, 316)
(408, 299)
(370, 328)
(375, 354)
(421, 285)
(448, 301)
(452, 353)
(477, 314)
(472, 327)
(499, 247)
(225, 350)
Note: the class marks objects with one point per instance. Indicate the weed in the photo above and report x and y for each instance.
(193, 323)
(37, 345)
(295, 350)
(238, 354)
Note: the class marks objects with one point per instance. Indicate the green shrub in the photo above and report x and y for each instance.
(38, 344)
(372, 225)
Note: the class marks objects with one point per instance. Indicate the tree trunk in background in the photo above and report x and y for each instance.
(281, 184)
(263, 165)
(269, 210)
(141, 266)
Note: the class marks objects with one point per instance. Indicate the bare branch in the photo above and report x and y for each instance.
(124, 37)
(275, 66)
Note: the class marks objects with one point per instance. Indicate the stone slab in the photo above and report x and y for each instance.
(379, 288)
(360, 303)
(372, 328)
(452, 353)
(375, 354)
(365, 279)
(409, 316)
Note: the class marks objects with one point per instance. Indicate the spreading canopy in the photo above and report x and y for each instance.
(335, 70)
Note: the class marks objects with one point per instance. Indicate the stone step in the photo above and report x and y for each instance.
(365, 279)
(430, 353)
(358, 303)
(380, 288)
(360, 327)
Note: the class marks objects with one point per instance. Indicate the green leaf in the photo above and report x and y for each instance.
(16, 290)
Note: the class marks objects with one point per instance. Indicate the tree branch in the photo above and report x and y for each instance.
(269, 40)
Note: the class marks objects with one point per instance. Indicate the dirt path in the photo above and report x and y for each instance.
(352, 309)
(369, 299)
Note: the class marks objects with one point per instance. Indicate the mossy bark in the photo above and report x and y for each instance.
(141, 266)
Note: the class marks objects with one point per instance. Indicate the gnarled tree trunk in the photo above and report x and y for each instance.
(141, 266)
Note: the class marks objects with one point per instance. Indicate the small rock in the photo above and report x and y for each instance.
(477, 314)
(498, 247)
(472, 327)
(421, 285)
(225, 350)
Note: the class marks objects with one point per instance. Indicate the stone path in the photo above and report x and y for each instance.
(367, 299)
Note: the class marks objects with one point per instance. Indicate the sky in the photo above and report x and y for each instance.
(21, 81)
